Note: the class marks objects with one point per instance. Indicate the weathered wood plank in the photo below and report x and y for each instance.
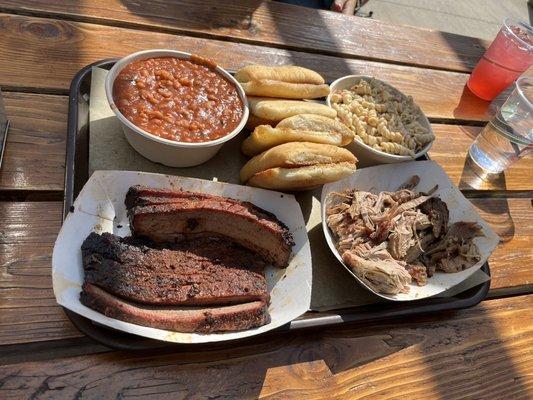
(28, 231)
(512, 220)
(29, 312)
(34, 157)
(483, 352)
(275, 24)
(56, 50)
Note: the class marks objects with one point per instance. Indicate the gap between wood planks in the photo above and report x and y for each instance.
(48, 350)
(22, 195)
(35, 90)
(501, 293)
(204, 35)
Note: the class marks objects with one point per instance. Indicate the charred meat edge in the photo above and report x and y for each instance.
(201, 272)
(200, 320)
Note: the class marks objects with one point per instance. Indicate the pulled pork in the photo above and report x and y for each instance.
(391, 239)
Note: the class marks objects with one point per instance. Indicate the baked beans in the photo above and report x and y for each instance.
(178, 99)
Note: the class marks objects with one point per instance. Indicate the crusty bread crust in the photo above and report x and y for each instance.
(278, 89)
(286, 73)
(315, 122)
(296, 154)
(279, 109)
(265, 137)
(302, 178)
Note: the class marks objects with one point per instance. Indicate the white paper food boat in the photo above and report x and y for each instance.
(389, 178)
(100, 208)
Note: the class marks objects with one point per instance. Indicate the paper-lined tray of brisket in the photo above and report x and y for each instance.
(181, 259)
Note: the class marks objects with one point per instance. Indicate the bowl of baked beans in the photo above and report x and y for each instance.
(176, 108)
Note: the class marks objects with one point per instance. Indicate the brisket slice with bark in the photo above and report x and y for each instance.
(205, 271)
(168, 216)
(201, 320)
(143, 196)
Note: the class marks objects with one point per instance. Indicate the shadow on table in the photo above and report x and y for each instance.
(204, 16)
(496, 212)
(475, 178)
(463, 48)
(286, 33)
(471, 107)
(223, 19)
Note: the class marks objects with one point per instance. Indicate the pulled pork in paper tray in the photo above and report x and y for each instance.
(393, 238)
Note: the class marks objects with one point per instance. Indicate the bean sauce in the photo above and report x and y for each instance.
(176, 99)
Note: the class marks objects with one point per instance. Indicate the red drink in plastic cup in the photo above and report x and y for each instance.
(510, 54)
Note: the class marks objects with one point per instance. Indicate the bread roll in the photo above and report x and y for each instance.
(269, 88)
(302, 178)
(290, 73)
(264, 137)
(296, 154)
(278, 109)
(315, 122)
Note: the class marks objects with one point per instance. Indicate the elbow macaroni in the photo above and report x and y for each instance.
(382, 120)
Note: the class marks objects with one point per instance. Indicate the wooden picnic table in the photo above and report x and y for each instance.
(482, 352)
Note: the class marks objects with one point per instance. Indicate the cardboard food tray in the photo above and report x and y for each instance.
(77, 173)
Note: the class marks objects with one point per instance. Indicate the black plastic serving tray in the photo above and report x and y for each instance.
(77, 173)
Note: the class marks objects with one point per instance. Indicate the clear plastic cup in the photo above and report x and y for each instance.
(508, 56)
(509, 136)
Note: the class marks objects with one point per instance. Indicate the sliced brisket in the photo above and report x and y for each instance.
(201, 320)
(142, 196)
(206, 271)
(169, 216)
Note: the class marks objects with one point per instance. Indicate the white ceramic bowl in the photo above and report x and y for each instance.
(164, 151)
(366, 154)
